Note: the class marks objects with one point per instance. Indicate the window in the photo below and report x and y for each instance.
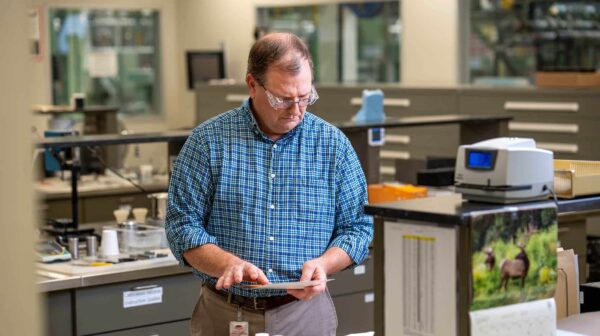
(110, 55)
(514, 39)
(350, 43)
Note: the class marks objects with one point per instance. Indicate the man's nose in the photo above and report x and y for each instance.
(295, 108)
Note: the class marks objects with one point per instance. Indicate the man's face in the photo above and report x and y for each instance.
(277, 122)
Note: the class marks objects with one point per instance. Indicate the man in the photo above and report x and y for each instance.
(268, 193)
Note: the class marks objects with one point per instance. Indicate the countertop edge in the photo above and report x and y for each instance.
(89, 280)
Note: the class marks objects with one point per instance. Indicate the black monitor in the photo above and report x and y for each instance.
(203, 66)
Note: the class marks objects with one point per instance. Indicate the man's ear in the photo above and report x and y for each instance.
(251, 83)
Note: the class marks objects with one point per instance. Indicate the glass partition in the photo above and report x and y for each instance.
(110, 55)
(511, 40)
(350, 43)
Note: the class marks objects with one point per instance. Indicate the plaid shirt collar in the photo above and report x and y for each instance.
(253, 125)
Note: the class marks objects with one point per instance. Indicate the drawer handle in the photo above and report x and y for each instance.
(387, 170)
(127, 199)
(397, 139)
(391, 154)
(542, 127)
(397, 102)
(559, 147)
(236, 98)
(539, 106)
(136, 288)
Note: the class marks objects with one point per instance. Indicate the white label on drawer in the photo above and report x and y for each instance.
(360, 270)
(142, 297)
(369, 297)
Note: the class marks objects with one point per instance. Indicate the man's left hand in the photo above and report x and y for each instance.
(312, 270)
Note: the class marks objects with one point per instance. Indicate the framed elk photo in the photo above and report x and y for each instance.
(513, 256)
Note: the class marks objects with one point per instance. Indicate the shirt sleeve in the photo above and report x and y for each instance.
(190, 198)
(353, 229)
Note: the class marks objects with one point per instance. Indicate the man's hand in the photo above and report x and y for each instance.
(238, 270)
(228, 268)
(311, 270)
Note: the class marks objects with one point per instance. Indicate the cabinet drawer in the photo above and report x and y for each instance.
(529, 104)
(355, 312)
(422, 102)
(179, 328)
(101, 309)
(353, 280)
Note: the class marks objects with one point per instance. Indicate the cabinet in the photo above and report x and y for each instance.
(167, 329)
(100, 309)
(564, 121)
(353, 296)
(355, 312)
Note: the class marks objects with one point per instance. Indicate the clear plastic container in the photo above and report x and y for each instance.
(135, 238)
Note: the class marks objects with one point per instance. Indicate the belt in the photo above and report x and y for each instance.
(253, 303)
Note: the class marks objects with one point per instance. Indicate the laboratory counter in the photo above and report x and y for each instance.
(50, 278)
(452, 210)
(433, 238)
(154, 296)
(158, 296)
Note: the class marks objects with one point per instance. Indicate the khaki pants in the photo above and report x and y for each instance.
(212, 316)
(314, 317)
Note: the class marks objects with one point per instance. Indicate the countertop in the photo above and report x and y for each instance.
(427, 120)
(63, 276)
(453, 210)
(55, 188)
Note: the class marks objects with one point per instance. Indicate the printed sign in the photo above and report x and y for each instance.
(142, 297)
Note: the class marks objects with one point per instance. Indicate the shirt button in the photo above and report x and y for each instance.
(270, 270)
(272, 176)
(272, 206)
(275, 146)
(271, 238)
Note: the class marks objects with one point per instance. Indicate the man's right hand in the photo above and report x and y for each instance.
(229, 269)
(238, 270)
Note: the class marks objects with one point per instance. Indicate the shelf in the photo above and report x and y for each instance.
(112, 139)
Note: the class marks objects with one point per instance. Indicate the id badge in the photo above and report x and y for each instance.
(237, 328)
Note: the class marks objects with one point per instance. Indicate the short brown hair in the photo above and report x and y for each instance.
(271, 49)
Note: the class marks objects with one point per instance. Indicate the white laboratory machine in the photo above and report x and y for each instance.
(504, 170)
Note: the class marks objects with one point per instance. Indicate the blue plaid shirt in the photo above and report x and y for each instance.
(274, 204)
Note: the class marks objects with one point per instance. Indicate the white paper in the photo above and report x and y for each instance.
(536, 318)
(142, 297)
(102, 63)
(567, 333)
(287, 285)
(420, 298)
(34, 20)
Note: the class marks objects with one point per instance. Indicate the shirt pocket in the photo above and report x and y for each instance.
(315, 200)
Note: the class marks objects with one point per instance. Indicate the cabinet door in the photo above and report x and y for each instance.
(354, 280)
(102, 309)
(179, 328)
(59, 316)
(355, 312)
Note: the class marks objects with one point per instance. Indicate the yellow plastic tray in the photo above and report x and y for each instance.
(574, 178)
